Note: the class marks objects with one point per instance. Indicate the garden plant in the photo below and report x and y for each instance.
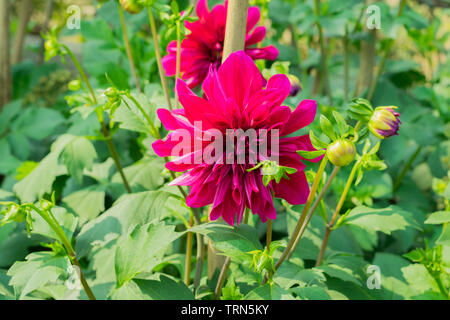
(224, 150)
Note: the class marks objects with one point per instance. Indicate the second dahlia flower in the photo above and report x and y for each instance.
(203, 47)
(235, 100)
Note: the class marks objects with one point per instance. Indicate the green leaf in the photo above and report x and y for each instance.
(311, 154)
(311, 293)
(128, 212)
(39, 270)
(384, 220)
(438, 217)
(78, 155)
(316, 142)
(343, 273)
(164, 288)
(86, 203)
(235, 243)
(290, 274)
(66, 220)
(136, 252)
(146, 173)
(342, 125)
(40, 180)
(327, 127)
(269, 292)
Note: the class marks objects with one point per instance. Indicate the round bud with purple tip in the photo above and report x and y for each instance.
(384, 122)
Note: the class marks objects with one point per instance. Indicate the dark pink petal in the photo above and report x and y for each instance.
(281, 83)
(253, 17)
(202, 9)
(301, 117)
(240, 77)
(293, 144)
(295, 190)
(268, 53)
(255, 36)
(171, 122)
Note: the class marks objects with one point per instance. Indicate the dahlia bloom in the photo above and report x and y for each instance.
(235, 98)
(203, 47)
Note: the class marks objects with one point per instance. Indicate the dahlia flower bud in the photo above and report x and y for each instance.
(131, 6)
(341, 152)
(384, 122)
(296, 86)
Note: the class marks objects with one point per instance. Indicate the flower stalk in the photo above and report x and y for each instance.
(303, 215)
(108, 138)
(158, 57)
(335, 214)
(53, 223)
(128, 49)
(313, 209)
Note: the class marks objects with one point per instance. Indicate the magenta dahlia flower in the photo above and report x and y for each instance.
(203, 47)
(235, 99)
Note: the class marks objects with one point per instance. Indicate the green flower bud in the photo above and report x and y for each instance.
(74, 85)
(13, 212)
(341, 152)
(112, 94)
(46, 205)
(131, 6)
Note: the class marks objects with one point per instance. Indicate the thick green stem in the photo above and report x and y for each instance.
(302, 218)
(158, 57)
(187, 267)
(313, 209)
(384, 58)
(53, 223)
(323, 53)
(336, 213)
(108, 139)
(222, 276)
(346, 64)
(408, 165)
(128, 49)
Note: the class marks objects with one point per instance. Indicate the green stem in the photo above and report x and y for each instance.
(158, 57)
(187, 267)
(128, 48)
(222, 276)
(104, 130)
(82, 73)
(336, 213)
(154, 130)
(323, 53)
(408, 165)
(313, 209)
(269, 233)
(302, 218)
(384, 58)
(346, 64)
(246, 215)
(47, 216)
